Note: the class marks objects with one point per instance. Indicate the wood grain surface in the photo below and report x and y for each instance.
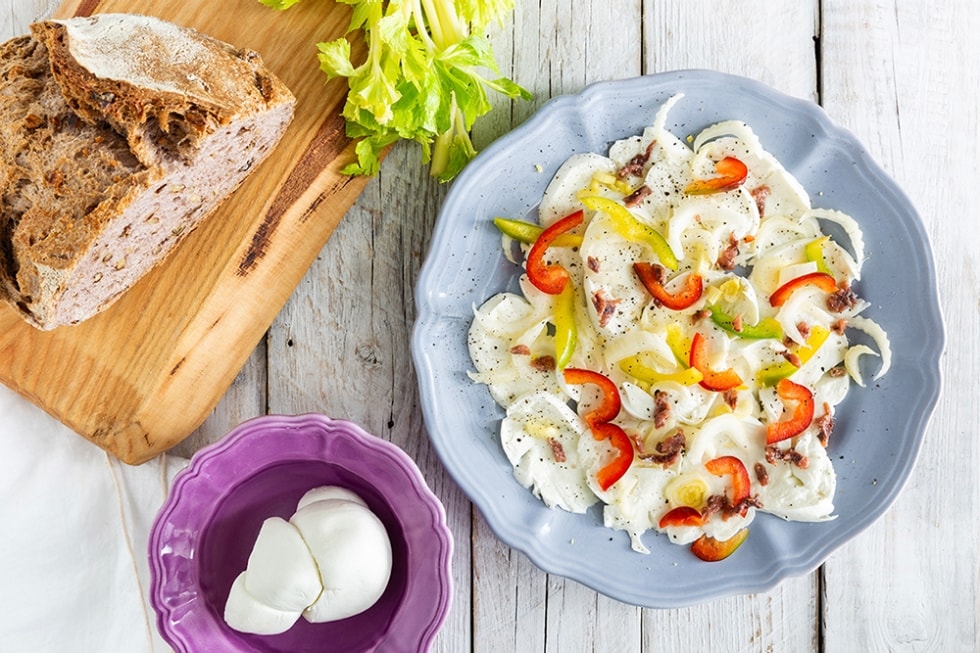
(141, 376)
(900, 74)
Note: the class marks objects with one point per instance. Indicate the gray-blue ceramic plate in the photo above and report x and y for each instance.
(879, 429)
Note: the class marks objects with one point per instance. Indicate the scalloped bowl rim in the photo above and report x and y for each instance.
(438, 550)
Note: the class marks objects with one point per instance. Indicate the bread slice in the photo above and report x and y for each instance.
(119, 133)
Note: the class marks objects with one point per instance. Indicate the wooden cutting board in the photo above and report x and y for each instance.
(141, 376)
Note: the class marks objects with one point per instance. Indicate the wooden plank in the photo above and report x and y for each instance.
(780, 53)
(341, 344)
(141, 376)
(895, 73)
(910, 582)
(244, 399)
(552, 48)
(579, 45)
(326, 352)
(19, 14)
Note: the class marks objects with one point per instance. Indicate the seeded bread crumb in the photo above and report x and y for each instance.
(104, 167)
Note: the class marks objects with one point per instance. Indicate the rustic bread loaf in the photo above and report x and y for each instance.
(118, 135)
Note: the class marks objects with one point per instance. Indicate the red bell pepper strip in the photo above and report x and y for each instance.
(550, 279)
(609, 407)
(717, 381)
(711, 550)
(731, 175)
(615, 469)
(681, 516)
(598, 420)
(821, 280)
(650, 276)
(802, 413)
(735, 468)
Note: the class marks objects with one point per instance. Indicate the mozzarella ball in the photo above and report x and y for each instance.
(353, 553)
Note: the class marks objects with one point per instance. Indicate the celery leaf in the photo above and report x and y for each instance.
(424, 78)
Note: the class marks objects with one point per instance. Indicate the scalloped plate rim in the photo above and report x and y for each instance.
(509, 524)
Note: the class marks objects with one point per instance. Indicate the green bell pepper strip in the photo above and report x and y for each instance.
(633, 366)
(770, 376)
(767, 327)
(632, 229)
(566, 333)
(527, 232)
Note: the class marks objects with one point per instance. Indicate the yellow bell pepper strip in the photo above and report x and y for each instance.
(550, 279)
(633, 366)
(711, 550)
(769, 376)
(681, 516)
(801, 416)
(566, 332)
(679, 345)
(734, 468)
(527, 232)
(821, 280)
(765, 328)
(618, 466)
(651, 276)
(609, 407)
(610, 181)
(717, 381)
(814, 253)
(632, 229)
(731, 175)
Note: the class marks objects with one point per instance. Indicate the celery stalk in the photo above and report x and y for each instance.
(425, 78)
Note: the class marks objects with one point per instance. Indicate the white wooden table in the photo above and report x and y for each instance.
(903, 75)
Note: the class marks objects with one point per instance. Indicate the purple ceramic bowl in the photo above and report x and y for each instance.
(204, 532)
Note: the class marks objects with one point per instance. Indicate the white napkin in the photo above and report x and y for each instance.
(74, 527)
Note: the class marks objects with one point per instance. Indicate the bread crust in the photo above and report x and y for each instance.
(105, 166)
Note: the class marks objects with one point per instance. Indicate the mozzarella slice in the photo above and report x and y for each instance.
(353, 553)
(537, 427)
(561, 196)
(801, 493)
(632, 502)
(281, 571)
(502, 324)
(332, 560)
(614, 297)
(246, 614)
(329, 492)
